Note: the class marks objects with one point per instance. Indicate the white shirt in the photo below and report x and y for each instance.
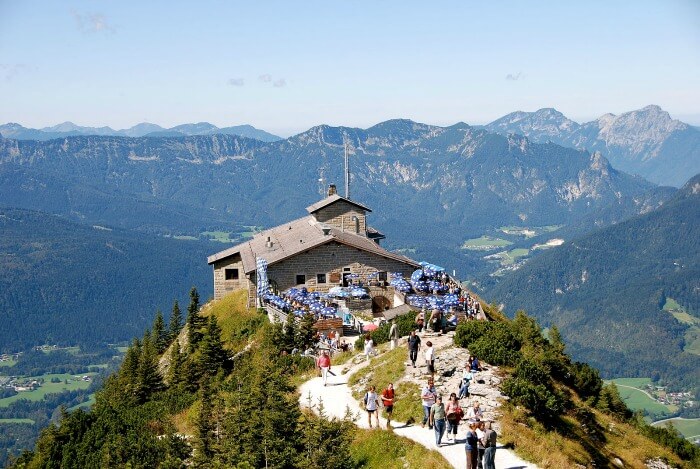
(429, 354)
(371, 400)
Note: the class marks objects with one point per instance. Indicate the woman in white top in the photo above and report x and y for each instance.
(371, 401)
(430, 357)
(369, 347)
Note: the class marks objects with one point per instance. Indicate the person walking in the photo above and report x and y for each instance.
(413, 347)
(437, 419)
(430, 357)
(388, 403)
(471, 447)
(372, 405)
(489, 443)
(454, 414)
(480, 446)
(369, 347)
(324, 363)
(393, 335)
(428, 395)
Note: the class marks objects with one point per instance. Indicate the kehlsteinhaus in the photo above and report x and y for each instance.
(333, 246)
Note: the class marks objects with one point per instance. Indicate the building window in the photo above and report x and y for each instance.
(231, 274)
(382, 277)
(320, 278)
(301, 279)
(346, 269)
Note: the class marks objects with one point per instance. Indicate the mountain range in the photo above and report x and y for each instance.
(431, 188)
(606, 290)
(144, 129)
(647, 141)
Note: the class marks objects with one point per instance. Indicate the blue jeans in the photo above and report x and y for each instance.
(439, 430)
(490, 458)
(463, 389)
(426, 414)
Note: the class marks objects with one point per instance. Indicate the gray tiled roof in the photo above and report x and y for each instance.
(298, 236)
(331, 199)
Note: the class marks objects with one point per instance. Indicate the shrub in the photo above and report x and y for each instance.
(585, 379)
(542, 402)
(493, 342)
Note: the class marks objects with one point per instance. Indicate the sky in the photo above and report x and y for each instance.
(285, 66)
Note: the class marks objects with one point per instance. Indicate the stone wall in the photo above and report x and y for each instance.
(223, 286)
(331, 259)
(339, 215)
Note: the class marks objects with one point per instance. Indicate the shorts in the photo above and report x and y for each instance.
(370, 412)
(389, 408)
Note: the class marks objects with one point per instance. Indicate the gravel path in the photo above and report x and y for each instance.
(337, 398)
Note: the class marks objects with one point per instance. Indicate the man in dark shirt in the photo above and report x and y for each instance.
(413, 347)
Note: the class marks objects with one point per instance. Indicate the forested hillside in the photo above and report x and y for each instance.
(606, 291)
(71, 284)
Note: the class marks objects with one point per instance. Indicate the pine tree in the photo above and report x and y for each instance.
(289, 338)
(176, 369)
(194, 321)
(212, 354)
(175, 324)
(306, 331)
(556, 339)
(160, 335)
(149, 379)
(128, 374)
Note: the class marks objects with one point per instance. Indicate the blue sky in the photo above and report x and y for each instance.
(285, 66)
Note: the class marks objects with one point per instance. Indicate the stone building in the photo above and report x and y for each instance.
(330, 246)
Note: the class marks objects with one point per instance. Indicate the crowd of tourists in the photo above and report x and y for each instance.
(442, 417)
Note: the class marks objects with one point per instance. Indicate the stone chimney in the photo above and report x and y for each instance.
(332, 190)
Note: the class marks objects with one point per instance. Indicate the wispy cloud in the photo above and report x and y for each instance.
(514, 76)
(9, 71)
(279, 83)
(92, 22)
(236, 81)
(265, 78)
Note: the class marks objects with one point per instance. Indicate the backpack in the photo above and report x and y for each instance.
(365, 398)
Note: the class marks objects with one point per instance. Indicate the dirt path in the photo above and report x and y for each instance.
(337, 398)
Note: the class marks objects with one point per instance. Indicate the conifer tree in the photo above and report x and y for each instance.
(175, 371)
(194, 321)
(175, 324)
(556, 339)
(289, 338)
(212, 354)
(306, 331)
(160, 335)
(128, 374)
(149, 379)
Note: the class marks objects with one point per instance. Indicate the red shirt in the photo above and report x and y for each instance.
(324, 361)
(388, 397)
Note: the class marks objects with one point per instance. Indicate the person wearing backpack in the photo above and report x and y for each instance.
(371, 401)
(388, 403)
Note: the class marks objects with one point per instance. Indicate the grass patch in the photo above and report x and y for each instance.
(637, 400)
(186, 238)
(237, 321)
(27, 421)
(8, 363)
(84, 405)
(390, 367)
(485, 243)
(638, 383)
(49, 387)
(671, 304)
(692, 335)
(571, 443)
(384, 450)
(220, 236)
(689, 428)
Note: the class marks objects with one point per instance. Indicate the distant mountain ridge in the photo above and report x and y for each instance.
(605, 291)
(69, 129)
(646, 141)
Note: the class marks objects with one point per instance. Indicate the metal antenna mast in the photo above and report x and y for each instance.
(347, 172)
